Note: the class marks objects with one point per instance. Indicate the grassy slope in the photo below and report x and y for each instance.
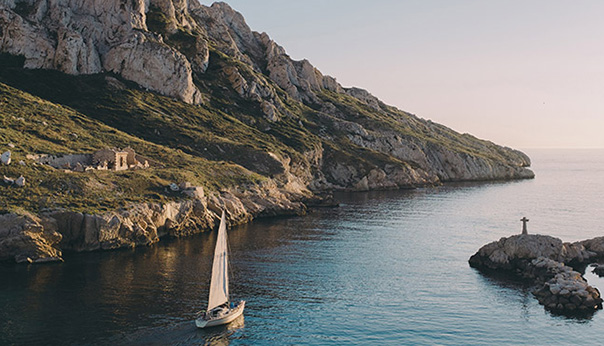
(227, 128)
(34, 125)
(222, 143)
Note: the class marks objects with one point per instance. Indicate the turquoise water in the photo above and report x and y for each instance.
(384, 268)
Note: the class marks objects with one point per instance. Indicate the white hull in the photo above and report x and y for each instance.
(230, 316)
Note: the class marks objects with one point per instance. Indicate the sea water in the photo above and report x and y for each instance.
(383, 268)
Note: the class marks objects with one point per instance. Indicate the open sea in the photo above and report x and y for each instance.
(385, 268)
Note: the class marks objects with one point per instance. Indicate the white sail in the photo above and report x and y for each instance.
(219, 286)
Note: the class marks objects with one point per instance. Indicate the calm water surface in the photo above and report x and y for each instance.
(384, 268)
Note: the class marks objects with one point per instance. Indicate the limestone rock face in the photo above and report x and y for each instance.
(74, 55)
(176, 12)
(20, 37)
(155, 66)
(26, 238)
(365, 96)
(229, 31)
(142, 224)
(89, 36)
(331, 84)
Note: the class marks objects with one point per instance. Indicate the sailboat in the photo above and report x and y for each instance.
(220, 309)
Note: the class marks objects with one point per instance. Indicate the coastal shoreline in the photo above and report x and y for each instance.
(29, 238)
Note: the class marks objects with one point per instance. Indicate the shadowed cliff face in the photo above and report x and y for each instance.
(347, 138)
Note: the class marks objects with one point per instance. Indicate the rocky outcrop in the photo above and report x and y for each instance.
(541, 259)
(439, 160)
(86, 37)
(598, 269)
(508, 252)
(153, 65)
(25, 238)
(141, 224)
(595, 245)
(28, 239)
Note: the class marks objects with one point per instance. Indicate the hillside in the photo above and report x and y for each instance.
(209, 102)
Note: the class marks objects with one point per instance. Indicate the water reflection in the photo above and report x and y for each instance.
(221, 335)
(385, 268)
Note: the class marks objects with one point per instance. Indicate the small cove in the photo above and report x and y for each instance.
(384, 268)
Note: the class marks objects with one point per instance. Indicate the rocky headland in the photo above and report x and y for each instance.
(206, 100)
(550, 264)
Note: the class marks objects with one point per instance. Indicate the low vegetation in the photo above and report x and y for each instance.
(36, 126)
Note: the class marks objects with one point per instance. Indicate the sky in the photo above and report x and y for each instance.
(525, 74)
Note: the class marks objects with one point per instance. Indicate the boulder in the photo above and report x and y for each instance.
(5, 158)
(20, 181)
(85, 37)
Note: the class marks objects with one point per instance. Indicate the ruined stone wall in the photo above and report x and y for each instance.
(106, 155)
(131, 158)
(66, 161)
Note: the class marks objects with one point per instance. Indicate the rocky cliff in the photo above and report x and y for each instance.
(164, 46)
(43, 238)
(191, 87)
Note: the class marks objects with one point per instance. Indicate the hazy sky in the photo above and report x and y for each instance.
(525, 74)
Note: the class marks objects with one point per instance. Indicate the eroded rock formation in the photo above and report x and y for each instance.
(27, 238)
(542, 259)
(86, 37)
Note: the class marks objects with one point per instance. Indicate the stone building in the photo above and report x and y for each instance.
(115, 159)
(104, 159)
